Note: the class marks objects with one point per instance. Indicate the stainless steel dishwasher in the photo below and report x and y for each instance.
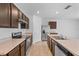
(61, 51)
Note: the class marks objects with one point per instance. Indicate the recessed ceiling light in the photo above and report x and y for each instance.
(38, 12)
(57, 12)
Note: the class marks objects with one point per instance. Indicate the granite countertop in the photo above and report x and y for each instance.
(9, 44)
(72, 45)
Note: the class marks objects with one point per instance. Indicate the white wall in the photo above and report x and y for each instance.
(6, 32)
(67, 27)
(36, 28)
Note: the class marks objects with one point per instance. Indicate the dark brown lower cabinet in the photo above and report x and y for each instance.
(19, 50)
(51, 45)
(22, 51)
(49, 42)
(53, 48)
(23, 48)
(14, 52)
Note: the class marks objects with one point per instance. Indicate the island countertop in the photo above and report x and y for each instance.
(72, 45)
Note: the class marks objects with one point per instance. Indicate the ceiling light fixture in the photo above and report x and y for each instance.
(57, 12)
(38, 12)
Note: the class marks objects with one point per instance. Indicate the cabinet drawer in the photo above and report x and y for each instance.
(14, 52)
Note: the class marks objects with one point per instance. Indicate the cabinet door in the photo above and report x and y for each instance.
(53, 48)
(20, 14)
(4, 15)
(14, 16)
(26, 20)
(48, 40)
(23, 48)
(14, 52)
(27, 25)
(24, 17)
(22, 51)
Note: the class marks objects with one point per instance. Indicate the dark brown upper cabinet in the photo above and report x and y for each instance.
(4, 15)
(20, 15)
(24, 17)
(14, 16)
(27, 19)
(52, 24)
(10, 15)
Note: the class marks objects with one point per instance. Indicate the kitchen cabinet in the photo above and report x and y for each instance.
(4, 15)
(27, 22)
(26, 19)
(20, 15)
(14, 52)
(51, 45)
(49, 42)
(53, 48)
(19, 50)
(10, 15)
(56, 48)
(27, 25)
(23, 48)
(14, 16)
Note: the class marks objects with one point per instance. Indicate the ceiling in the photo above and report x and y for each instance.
(49, 10)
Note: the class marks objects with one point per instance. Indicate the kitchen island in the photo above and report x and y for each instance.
(69, 46)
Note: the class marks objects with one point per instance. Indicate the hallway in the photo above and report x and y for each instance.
(39, 49)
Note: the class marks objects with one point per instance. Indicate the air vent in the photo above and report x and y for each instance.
(67, 7)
